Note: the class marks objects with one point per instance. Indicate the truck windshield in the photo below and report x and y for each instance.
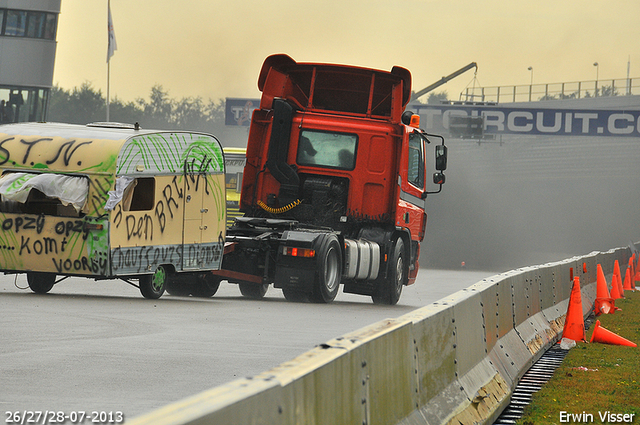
(327, 149)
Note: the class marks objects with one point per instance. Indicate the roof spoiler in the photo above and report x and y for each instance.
(280, 61)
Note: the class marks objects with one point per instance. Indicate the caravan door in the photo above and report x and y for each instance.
(204, 209)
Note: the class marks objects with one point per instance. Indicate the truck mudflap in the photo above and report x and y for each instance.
(296, 260)
(309, 264)
(294, 278)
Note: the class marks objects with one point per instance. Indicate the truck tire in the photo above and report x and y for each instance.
(254, 291)
(329, 271)
(391, 289)
(152, 285)
(178, 288)
(295, 296)
(206, 286)
(41, 283)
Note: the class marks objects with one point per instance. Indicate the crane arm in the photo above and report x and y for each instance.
(444, 80)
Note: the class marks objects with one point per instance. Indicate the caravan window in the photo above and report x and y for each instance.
(51, 194)
(140, 195)
(134, 194)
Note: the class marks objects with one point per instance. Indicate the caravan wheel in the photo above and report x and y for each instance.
(152, 285)
(41, 283)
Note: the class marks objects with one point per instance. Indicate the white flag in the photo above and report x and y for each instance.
(112, 38)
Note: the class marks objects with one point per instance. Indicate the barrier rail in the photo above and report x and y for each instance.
(552, 91)
(454, 361)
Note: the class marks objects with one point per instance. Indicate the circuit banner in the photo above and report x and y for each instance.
(514, 120)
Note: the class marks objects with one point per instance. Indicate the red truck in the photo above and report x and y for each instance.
(334, 186)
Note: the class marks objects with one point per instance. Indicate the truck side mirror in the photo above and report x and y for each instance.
(438, 178)
(441, 158)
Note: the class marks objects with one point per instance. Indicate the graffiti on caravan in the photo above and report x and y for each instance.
(144, 258)
(560, 122)
(141, 259)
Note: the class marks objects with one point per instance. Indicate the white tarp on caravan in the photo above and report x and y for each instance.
(68, 189)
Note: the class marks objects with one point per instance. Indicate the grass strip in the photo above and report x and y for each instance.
(595, 381)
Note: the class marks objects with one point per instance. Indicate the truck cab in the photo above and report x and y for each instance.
(334, 181)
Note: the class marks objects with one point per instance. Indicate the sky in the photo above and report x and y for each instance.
(214, 49)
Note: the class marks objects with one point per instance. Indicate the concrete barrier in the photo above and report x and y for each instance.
(455, 361)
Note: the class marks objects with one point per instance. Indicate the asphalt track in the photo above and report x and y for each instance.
(100, 347)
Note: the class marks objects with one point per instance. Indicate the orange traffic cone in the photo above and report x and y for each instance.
(605, 336)
(615, 288)
(620, 286)
(604, 304)
(627, 280)
(574, 322)
(616, 282)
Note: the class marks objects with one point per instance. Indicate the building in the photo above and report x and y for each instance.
(27, 55)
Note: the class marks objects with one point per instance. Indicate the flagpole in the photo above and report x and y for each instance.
(108, 61)
(112, 47)
(108, 77)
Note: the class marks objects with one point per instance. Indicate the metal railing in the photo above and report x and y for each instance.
(552, 91)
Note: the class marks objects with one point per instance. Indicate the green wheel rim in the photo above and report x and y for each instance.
(159, 278)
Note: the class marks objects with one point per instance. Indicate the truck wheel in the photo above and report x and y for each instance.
(391, 289)
(206, 286)
(41, 283)
(177, 288)
(152, 285)
(254, 291)
(295, 296)
(329, 271)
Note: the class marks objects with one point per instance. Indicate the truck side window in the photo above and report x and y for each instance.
(416, 163)
(142, 197)
(327, 149)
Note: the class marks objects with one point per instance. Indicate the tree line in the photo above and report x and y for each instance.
(84, 104)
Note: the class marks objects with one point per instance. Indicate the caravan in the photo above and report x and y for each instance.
(111, 201)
